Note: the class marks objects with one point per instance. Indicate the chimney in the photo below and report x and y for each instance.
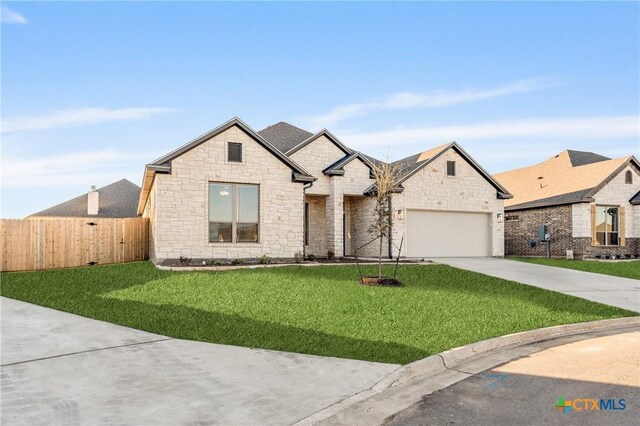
(92, 201)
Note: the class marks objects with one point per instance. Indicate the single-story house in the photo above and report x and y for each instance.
(589, 203)
(118, 199)
(239, 193)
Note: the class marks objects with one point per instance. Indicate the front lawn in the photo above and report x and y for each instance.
(316, 310)
(627, 269)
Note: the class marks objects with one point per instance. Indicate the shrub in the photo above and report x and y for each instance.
(237, 262)
(330, 254)
(184, 261)
(265, 260)
(311, 258)
(298, 257)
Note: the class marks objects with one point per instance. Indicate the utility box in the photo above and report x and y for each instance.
(570, 254)
(543, 233)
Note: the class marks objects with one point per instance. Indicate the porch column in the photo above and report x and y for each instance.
(334, 222)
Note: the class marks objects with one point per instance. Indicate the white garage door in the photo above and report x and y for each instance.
(447, 234)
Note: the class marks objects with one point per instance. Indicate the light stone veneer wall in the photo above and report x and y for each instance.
(181, 219)
(432, 189)
(362, 214)
(316, 157)
(614, 193)
(150, 212)
(317, 231)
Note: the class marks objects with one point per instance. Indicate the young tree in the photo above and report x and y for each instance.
(386, 176)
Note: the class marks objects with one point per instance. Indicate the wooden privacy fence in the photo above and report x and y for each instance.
(50, 243)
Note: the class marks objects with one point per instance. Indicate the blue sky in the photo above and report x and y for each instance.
(93, 91)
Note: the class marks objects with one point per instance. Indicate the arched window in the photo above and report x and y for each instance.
(628, 178)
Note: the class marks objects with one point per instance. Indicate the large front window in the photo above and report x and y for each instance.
(607, 225)
(233, 213)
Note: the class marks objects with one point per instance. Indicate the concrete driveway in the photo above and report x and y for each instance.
(526, 391)
(65, 369)
(615, 291)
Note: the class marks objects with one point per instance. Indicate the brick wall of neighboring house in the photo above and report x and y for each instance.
(432, 189)
(583, 247)
(521, 228)
(182, 202)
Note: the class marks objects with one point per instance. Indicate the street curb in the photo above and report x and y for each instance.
(454, 357)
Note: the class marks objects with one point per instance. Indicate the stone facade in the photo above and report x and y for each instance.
(339, 214)
(317, 244)
(181, 220)
(571, 225)
(432, 189)
(336, 191)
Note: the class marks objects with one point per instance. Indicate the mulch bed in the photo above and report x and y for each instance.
(383, 281)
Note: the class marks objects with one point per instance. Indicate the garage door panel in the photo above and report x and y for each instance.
(448, 233)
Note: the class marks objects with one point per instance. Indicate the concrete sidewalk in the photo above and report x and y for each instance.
(615, 291)
(65, 369)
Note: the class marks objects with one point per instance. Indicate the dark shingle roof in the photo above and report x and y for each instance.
(570, 198)
(580, 158)
(284, 136)
(635, 200)
(119, 199)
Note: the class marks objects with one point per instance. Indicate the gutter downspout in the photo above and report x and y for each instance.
(390, 238)
(304, 196)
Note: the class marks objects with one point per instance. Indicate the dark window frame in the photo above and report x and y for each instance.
(628, 177)
(451, 168)
(230, 152)
(234, 213)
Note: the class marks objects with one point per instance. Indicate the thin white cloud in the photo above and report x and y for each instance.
(8, 16)
(69, 169)
(76, 117)
(437, 99)
(608, 127)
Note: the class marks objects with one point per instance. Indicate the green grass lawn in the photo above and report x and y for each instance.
(628, 269)
(314, 310)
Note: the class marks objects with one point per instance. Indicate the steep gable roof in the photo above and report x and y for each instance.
(328, 135)
(568, 177)
(411, 165)
(163, 164)
(284, 136)
(118, 199)
(337, 168)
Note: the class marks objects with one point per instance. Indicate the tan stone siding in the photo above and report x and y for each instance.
(618, 193)
(432, 189)
(316, 157)
(182, 224)
(362, 215)
(355, 179)
(317, 239)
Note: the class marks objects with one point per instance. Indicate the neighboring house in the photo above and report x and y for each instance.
(590, 204)
(119, 199)
(237, 193)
